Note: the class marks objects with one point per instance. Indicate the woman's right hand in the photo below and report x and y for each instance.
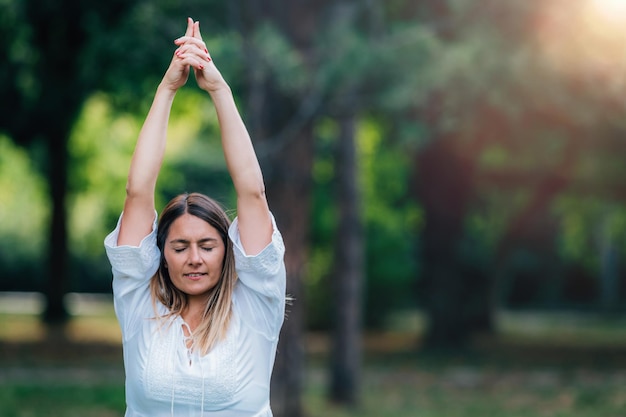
(178, 72)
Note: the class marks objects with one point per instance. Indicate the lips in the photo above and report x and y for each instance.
(194, 276)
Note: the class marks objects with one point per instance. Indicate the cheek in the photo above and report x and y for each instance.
(218, 260)
(170, 260)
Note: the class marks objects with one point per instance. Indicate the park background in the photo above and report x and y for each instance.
(447, 175)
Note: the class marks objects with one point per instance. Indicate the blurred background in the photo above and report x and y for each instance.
(448, 176)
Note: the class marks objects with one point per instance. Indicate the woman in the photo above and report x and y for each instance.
(200, 301)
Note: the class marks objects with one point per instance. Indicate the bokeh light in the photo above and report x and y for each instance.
(585, 39)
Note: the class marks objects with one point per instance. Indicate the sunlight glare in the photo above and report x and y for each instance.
(606, 17)
(612, 10)
(586, 39)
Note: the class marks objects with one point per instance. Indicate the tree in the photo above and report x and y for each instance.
(46, 81)
(57, 55)
(48, 73)
(345, 364)
(502, 95)
(287, 93)
(283, 129)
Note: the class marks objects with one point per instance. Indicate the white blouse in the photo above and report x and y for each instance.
(162, 377)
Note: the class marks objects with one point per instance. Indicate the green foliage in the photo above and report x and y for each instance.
(275, 58)
(587, 226)
(406, 68)
(390, 218)
(134, 57)
(24, 211)
(195, 161)
(480, 74)
(101, 145)
(321, 258)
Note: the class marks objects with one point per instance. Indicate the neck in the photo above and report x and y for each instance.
(194, 311)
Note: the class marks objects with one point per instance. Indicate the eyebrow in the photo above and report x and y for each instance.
(185, 241)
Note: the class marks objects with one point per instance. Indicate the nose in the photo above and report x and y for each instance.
(194, 255)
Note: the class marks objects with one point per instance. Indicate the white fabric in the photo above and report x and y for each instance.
(233, 379)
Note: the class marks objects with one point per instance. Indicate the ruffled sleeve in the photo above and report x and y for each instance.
(132, 268)
(260, 292)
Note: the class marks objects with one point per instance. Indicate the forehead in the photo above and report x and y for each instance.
(190, 227)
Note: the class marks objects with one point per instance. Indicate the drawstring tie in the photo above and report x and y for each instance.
(189, 343)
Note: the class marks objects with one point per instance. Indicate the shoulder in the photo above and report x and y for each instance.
(267, 262)
(132, 263)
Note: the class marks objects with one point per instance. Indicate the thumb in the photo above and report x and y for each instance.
(196, 30)
(190, 27)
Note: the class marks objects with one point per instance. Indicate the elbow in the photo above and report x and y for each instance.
(131, 191)
(252, 193)
(257, 193)
(134, 190)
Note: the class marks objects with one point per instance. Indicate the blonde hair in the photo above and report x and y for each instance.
(217, 313)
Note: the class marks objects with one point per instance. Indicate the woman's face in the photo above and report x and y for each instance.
(194, 253)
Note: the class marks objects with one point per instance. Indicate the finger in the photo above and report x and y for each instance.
(193, 61)
(183, 40)
(198, 35)
(196, 50)
(190, 27)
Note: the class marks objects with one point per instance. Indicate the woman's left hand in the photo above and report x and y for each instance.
(193, 50)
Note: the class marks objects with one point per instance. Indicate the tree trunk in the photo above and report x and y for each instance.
(289, 190)
(345, 365)
(455, 293)
(58, 271)
(287, 167)
(609, 269)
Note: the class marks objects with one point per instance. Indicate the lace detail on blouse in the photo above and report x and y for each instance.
(213, 376)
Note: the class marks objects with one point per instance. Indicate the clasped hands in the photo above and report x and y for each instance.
(192, 53)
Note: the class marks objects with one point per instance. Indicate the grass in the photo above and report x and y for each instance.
(473, 391)
(540, 365)
(62, 399)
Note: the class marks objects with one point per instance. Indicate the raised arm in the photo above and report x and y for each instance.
(148, 155)
(255, 225)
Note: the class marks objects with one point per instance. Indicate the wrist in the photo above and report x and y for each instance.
(218, 87)
(166, 89)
